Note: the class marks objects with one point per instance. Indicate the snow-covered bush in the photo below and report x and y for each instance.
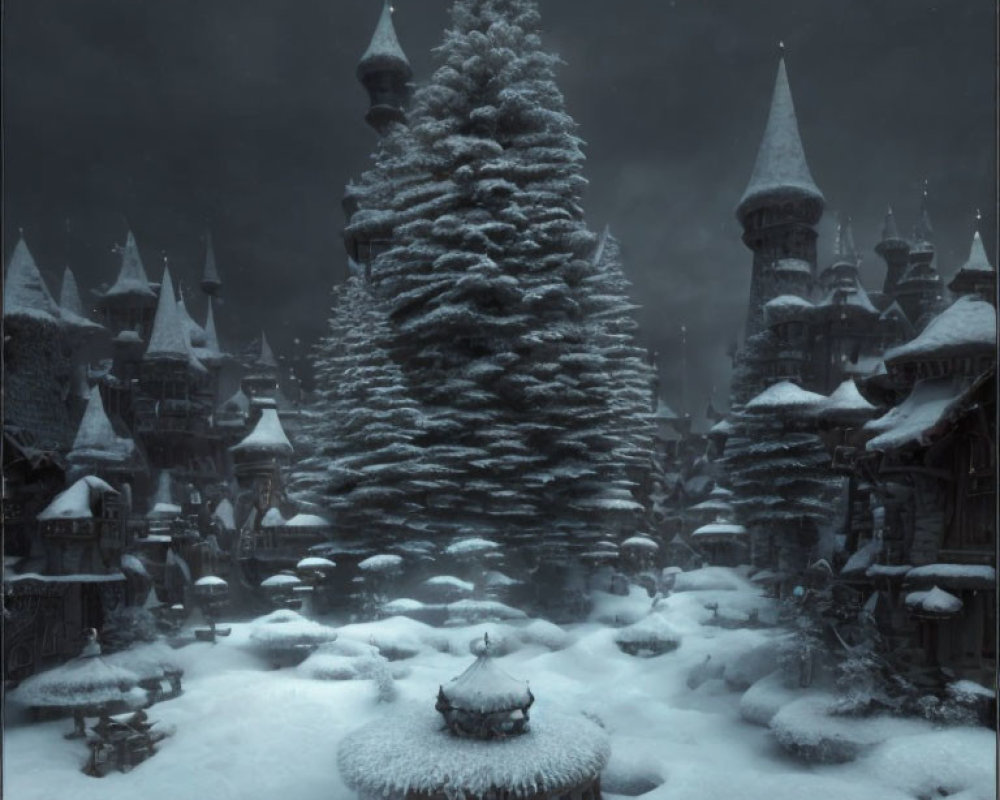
(124, 626)
(651, 636)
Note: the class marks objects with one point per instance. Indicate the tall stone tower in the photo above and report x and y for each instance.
(779, 210)
(385, 72)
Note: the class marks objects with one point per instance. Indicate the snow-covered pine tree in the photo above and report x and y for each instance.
(486, 279)
(785, 492)
(364, 464)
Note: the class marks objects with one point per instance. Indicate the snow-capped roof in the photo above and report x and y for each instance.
(85, 681)
(452, 582)
(169, 339)
(380, 563)
(266, 357)
(663, 411)
(720, 529)
(788, 300)
(954, 574)
(720, 491)
(280, 580)
(846, 399)
(24, 291)
(470, 546)
(308, 521)
(722, 427)
(196, 333)
(890, 233)
(485, 688)
(912, 419)
(164, 510)
(210, 580)
(77, 501)
(96, 438)
(225, 514)
(854, 296)
(714, 504)
(132, 275)
(267, 436)
(71, 307)
(977, 261)
(315, 562)
(785, 395)
(781, 161)
(934, 601)
(651, 628)
(239, 400)
(643, 542)
(272, 519)
(384, 51)
(283, 629)
(411, 753)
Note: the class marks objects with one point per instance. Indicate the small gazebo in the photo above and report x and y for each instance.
(485, 749)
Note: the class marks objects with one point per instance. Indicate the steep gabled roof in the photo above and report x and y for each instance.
(781, 166)
(25, 293)
(132, 275)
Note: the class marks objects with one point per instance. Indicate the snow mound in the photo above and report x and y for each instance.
(631, 772)
(651, 636)
(938, 763)
(79, 683)
(766, 698)
(545, 634)
(288, 631)
(383, 562)
(470, 547)
(616, 611)
(806, 729)
(413, 754)
(710, 579)
(473, 611)
(749, 666)
(396, 638)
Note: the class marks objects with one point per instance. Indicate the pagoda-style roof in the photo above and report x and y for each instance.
(24, 291)
(267, 436)
(131, 278)
(486, 688)
(781, 169)
(846, 404)
(785, 396)
(384, 52)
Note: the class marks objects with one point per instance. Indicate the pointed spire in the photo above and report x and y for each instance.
(24, 291)
(266, 358)
(384, 52)
(95, 432)
(845, 249)
(69, 294)
(210, 282)
(196, 334)
(169, 339)
(132, 275)
(977, 261)
(924, 232)
(890, 233)
(211, 337)
(781, 166)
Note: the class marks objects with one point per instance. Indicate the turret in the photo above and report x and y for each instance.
(210, 281)
(261, 381)
(130, 303)
(977, 275)
(895, 251)
(385, 72)
(779, 209)
(920, 291)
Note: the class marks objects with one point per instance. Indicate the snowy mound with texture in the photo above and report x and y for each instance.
(483, 611)
(78, 683)
(411, 753)
(650, 636)
(285, 629)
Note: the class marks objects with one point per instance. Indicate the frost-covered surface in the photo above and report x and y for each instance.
(77, 501)
(411, 752)
(934, 601)
(969, 321)
(914, 418)
(244, 730)
(654, 629)
(267, 436)
(781, 161)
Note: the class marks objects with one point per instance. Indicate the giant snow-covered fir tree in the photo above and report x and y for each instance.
(364, 462)
(502, 304)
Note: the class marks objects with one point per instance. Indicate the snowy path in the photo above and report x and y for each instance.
(244, 732)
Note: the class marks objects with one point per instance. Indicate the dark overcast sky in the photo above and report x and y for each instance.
(245, 114)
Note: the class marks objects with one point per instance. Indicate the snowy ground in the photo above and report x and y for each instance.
(243, 730)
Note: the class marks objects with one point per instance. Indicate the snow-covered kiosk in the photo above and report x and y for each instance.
(486, 748)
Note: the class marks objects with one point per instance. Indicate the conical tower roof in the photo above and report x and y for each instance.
(977, 261)
(266, 357)
(96, 438)
(890, 232)
(267, 436)
(384, 51)
(169, 339)
(24, 291)
(132, 275)
(210, 281)
(211, 337)
(70, 305)
(196, 334)
(781, 168)
(924, 231)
